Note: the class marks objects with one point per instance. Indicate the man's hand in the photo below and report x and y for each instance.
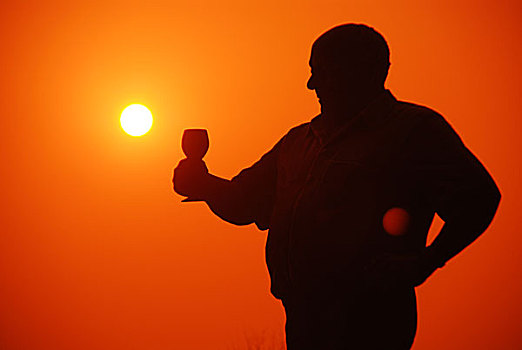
(190, 178)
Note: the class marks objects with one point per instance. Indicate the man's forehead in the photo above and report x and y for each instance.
(317, 57)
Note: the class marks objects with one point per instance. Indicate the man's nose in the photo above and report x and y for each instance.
(310, 84)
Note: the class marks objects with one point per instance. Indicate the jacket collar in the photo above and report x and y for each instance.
(371, 115)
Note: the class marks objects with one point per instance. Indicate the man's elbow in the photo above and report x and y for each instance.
(494, 200)
(496, 197)
(477, 209)
(492, 195)
(488, 204)
(234, 217)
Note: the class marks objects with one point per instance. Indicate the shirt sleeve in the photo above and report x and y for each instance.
(453, 182)
(251, 194)
(256, 187)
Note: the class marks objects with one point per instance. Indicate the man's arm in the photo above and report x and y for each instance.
(247, 198)
(458, 187)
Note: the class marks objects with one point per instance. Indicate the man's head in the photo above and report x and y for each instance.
(350, 59)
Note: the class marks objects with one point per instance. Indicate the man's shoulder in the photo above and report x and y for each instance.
(420, 117)
(413, 111)
(297, 132)
(427, 126)
(299, 129)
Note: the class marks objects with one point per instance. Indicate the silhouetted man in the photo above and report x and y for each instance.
(325, 187)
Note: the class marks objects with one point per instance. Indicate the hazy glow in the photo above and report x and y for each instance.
(136, 120)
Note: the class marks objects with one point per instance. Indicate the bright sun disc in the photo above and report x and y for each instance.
(136, 120)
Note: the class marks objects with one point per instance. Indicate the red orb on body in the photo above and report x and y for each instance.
(396, 221)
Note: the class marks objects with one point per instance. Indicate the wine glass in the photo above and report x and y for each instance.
(194, 144)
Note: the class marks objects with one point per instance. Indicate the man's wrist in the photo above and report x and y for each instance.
(212, 187)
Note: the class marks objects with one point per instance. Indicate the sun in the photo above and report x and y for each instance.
(136, 120)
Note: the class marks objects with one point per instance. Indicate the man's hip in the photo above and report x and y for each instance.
(333, 321)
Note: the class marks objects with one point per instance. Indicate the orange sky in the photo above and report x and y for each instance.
(97, 252)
